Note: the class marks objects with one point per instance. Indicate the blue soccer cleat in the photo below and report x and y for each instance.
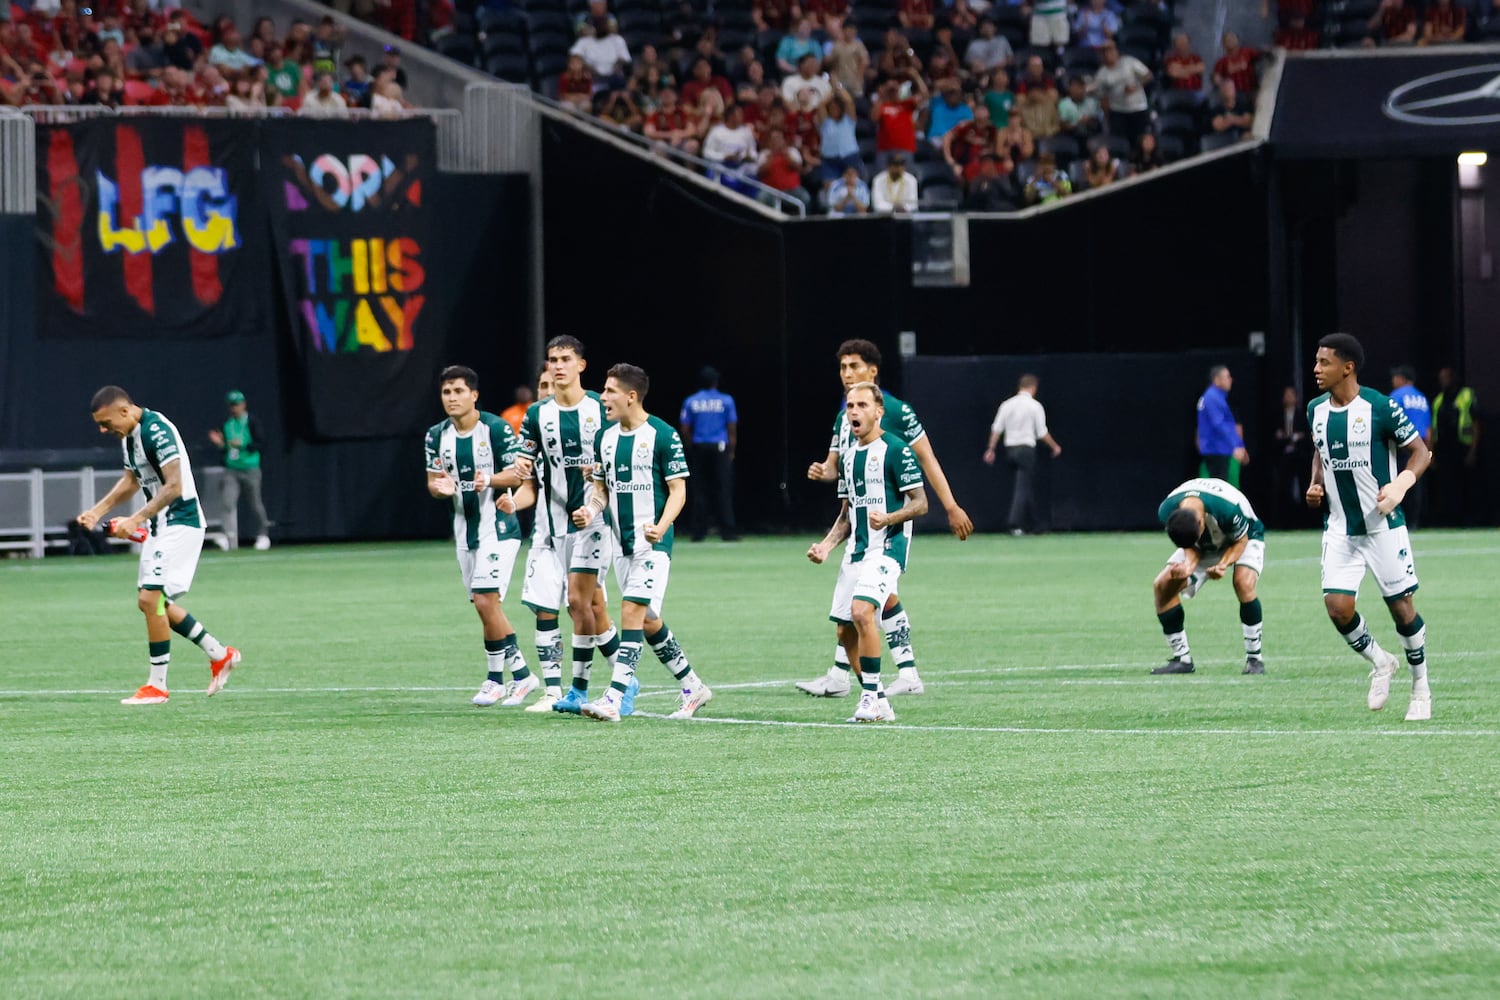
(572, 703)
(627, 701)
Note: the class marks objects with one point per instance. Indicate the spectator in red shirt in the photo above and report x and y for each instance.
(575, 87)
(780, 167)
(669, 124)
(967, 143)
(1444, 23)
(896, 116)
(1035, 77)
(828, 16)
(1296, 36)
(1287, 9)
(1237, 64)
(915, 15)
(704, 79)
(1395, 23)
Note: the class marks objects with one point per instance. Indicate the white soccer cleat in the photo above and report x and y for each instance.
(1420, 709)
(518, 691)
(601, 709)
(834, 684)
(873, 708)
(549, 697)
(903, 686)
(262, 543)
(490, 693)
(1380, 681)
(692, 699)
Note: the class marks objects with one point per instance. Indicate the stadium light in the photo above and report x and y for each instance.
(1473, 159)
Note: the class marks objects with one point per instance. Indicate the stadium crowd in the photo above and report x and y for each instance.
(129, 52)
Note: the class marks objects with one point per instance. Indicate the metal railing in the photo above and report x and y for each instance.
(36, 506)
(707, 169)
(17, 163)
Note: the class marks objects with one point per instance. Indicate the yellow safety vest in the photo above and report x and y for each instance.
(1465, 404)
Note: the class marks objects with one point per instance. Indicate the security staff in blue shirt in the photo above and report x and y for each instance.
(1404, 391)
(709, 427)
(1218, 438)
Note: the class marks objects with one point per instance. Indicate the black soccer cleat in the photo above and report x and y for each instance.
(1253, 665)
(1175, 666)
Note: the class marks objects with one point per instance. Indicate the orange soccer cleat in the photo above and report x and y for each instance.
(220, 669)
(146, 694)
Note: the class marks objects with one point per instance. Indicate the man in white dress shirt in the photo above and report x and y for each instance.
(1022, 422)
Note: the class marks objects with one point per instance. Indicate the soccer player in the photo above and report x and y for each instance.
(881, 486)
(859, 361)
(170, 526)
(1356, 432)
(469, 459)
(1215, 530)
(640, 475)
(567, 561)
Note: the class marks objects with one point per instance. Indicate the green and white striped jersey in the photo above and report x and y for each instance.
(150, 447)
(560, 439)
(1228, 515)
(636, 466)
(899, 419)
(1357, 445)
(490, 446)
(874, 477)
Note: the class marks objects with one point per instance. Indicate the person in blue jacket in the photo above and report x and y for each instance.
(1219, 437)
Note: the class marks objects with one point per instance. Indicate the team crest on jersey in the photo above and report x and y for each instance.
(1359, 424)
(494, 557)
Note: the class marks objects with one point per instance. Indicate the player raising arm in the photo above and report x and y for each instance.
(1356, 434)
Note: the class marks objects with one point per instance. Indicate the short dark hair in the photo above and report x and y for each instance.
(458, 373)
(868, 352)
(631, 378)
(708, 378)
(1183, 527)
(1027, 381)
(1213, 372)
(542, 369)
(565, 342)
(109, 396)
(1346, 347)
(1405, 371)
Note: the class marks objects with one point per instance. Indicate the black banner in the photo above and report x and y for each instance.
(1347, 105)
(352, 238)
(149, 228)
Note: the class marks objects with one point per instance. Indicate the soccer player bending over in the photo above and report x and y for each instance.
(640, 476)
(170, 528)
(469, 463)
(859, 361)
(1356, 433)
(881, 485)
(1215, 530)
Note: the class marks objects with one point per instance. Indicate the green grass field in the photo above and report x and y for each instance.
(1048, 820)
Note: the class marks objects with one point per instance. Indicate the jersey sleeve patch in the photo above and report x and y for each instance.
(1399, 424)
(669, 455)
(531, 436)
(161, 443)
(905, 470)
(911, 428)
(433, 449)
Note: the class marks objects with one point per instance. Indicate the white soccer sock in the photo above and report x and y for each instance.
(1252, 638)
(1178, 644)
(549, 652)
(159, 671)
(840, 660)
(1362, 642)
(1415, 647)
(692, 681)
(583, 658)
(907, 673)
(897, 628)
(604, 641)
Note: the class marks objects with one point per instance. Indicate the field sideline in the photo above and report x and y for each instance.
(1048, 820)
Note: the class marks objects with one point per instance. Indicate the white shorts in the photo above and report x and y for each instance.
(1049, 30)
(1386, 554)
(486, 570)
(643, 578)
(545, 587)
(169, 559)
(873, 578)
(1253, 558)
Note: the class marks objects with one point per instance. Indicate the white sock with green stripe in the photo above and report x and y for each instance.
(1360, 640)
(628, 656)
(897, 628)
(549, 651)
(161, 656)
(608, 643)
(840, 659)
(1414, 643)
(192, 630)
(664, 645)
(494, 659)
(583, 661)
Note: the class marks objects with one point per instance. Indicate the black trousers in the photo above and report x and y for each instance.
(1218, 466)
(1023, 494)
(712, 490)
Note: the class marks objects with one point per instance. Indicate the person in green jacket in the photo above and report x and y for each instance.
(241, 438)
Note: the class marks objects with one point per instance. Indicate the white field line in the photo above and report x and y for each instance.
(649, 692)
